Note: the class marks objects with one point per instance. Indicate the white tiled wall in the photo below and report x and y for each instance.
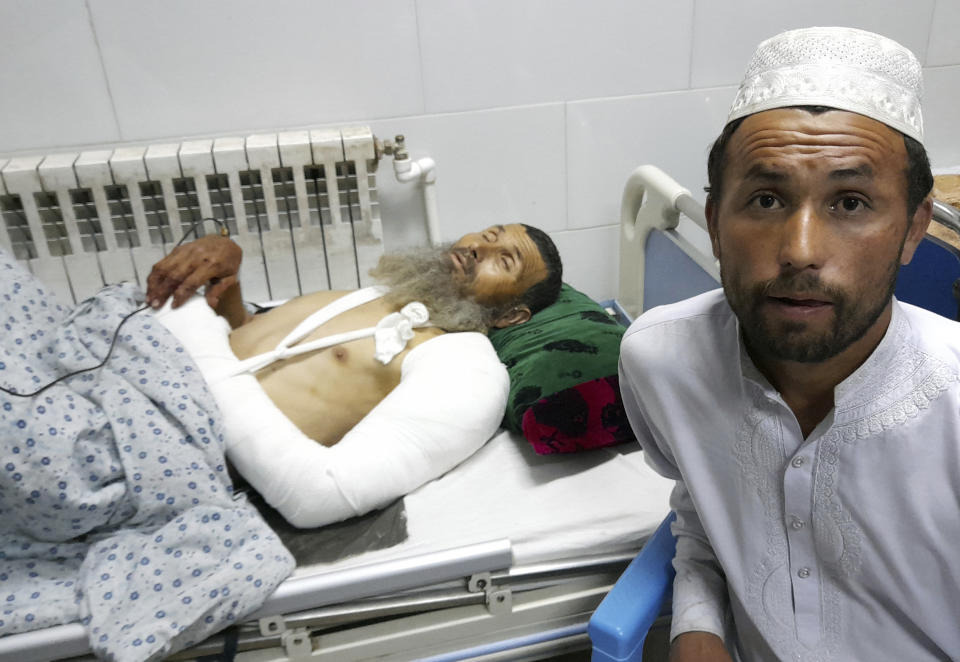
(510, 165)
(181, 66)
(608, 138)
(535, 110)
(53, 91)
(489, 53)
(726, 33)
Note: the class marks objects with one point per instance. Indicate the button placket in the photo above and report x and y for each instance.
(798, 503)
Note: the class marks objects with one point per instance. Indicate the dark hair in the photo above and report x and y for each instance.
(544, 293)
(918, 174)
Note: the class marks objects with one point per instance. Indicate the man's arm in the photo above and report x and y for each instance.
(699, 590)
(700, 599)
(213, 261)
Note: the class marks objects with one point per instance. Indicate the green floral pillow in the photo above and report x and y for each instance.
(564, 391)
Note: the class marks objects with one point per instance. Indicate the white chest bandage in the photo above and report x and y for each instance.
(450, 401)
(391, 334)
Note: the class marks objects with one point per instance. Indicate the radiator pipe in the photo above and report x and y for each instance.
(424, 170)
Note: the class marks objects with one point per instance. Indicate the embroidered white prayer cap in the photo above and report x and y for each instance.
(842, 68)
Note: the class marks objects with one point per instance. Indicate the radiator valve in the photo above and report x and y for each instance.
(395, 148)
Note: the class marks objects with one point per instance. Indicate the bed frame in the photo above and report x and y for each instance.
(474, 601)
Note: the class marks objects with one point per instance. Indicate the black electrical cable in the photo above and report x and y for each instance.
(193, 228)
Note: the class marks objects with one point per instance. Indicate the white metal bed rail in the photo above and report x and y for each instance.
(302, 205)
(653, 200)
(298, 593)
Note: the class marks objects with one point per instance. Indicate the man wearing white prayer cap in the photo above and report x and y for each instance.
(817, 503)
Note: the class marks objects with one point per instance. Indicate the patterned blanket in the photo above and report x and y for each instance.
(115, 504)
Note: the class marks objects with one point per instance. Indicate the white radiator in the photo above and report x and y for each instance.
(301, 204)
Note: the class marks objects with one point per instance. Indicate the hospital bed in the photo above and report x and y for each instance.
(505, 557)
(507, 554)
(661, 264)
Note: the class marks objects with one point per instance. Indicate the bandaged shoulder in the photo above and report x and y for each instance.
(449, 402)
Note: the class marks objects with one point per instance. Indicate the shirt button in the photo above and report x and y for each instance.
(797, 462)
(796, 523)
(803, 573)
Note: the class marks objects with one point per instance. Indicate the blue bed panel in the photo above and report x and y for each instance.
(928, 280)
(670, 275)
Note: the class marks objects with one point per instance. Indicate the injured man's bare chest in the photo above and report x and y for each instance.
(328, 390)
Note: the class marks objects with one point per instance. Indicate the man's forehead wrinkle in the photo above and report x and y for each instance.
(526, 265)
(766, 160)
(775, 143)
(834, 127)
(528, 255)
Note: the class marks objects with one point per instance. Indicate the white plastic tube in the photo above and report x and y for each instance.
(425, 169)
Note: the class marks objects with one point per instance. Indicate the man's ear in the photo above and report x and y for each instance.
(710, 211)
(917, 230)
(516, 315)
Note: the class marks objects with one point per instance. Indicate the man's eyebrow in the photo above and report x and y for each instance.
(760, 171)
(864, 172)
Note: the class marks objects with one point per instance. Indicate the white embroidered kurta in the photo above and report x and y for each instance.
(843, 546)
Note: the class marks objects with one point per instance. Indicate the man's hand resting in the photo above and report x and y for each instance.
(699, 647)
(213, 261)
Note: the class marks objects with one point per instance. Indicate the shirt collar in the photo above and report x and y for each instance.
(872, 377)
(750, 373)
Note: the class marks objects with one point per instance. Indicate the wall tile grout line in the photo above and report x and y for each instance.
(423, 82)
(693, 34)
(930, 25)
(103, 69)
(566, 166)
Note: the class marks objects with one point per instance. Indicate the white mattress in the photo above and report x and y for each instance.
(550, 507)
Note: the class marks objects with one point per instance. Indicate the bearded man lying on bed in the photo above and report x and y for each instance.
(333, 411)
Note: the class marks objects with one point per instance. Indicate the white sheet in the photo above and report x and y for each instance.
(550, 507)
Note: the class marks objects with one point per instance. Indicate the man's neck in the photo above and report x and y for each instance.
(808, 388)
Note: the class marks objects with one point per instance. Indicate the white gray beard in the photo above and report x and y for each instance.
(426, 275)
